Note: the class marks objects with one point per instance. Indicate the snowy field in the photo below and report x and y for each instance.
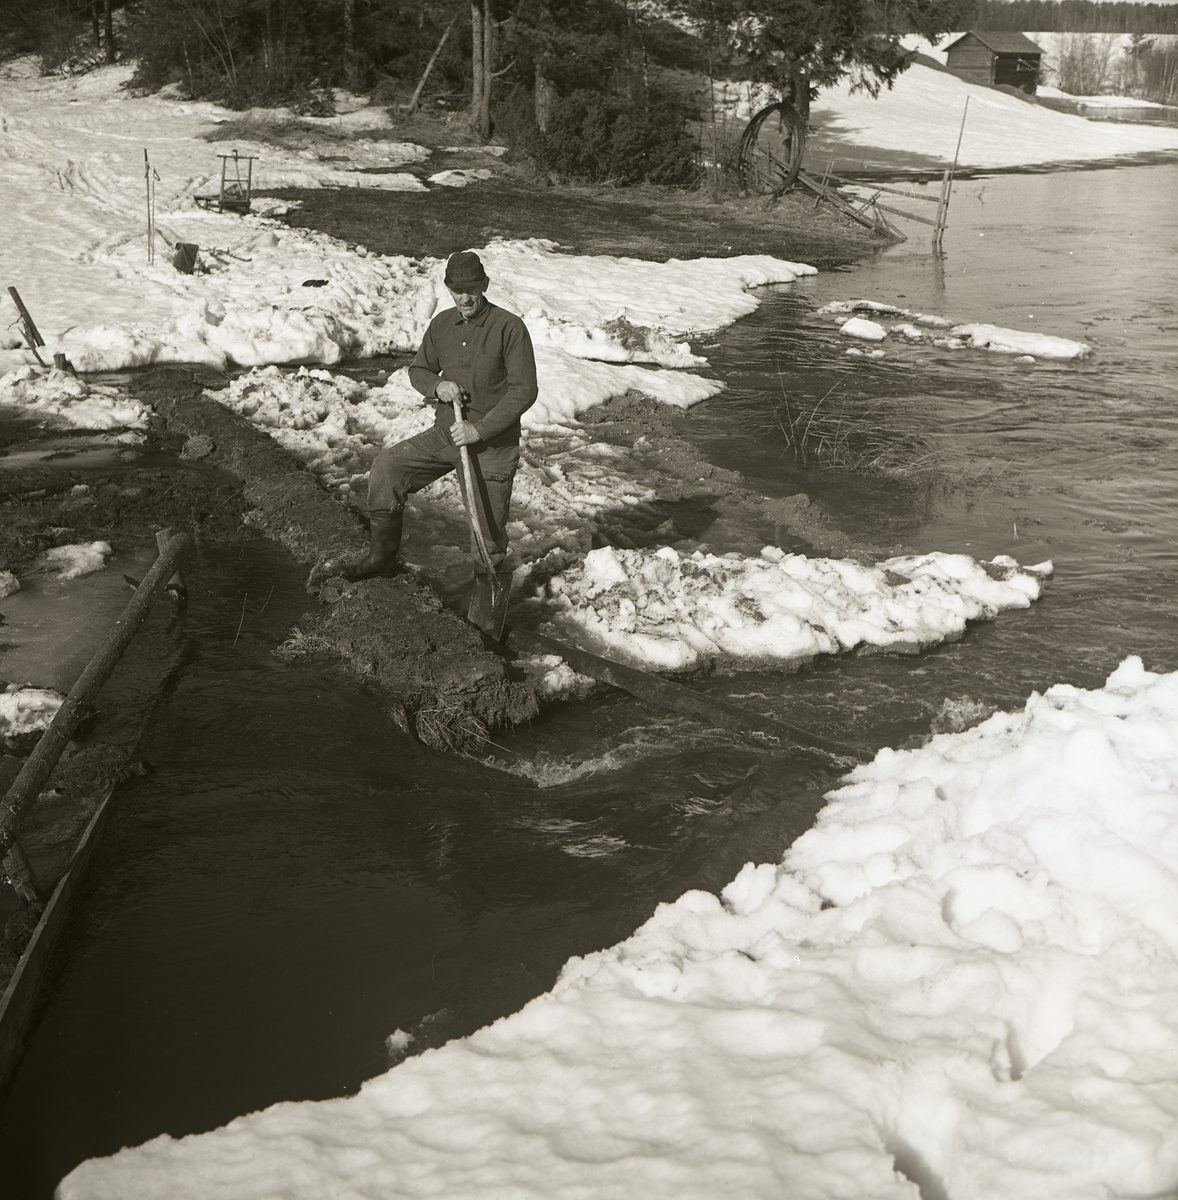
(959, 983)
(923, 112)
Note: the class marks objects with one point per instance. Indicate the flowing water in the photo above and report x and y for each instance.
(295, 880)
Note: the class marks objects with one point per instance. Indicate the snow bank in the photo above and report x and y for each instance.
(922, 113)
(666, 611)
(960, 980)
(941, 332)
(59, 398)
(335, 425)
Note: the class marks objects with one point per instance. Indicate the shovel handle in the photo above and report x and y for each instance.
(472, 511)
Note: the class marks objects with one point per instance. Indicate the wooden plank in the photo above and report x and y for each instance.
(712, 711)
(20, 996)
(899, 212)
(879, 187)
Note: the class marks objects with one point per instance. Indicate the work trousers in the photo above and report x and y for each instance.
(399, 471)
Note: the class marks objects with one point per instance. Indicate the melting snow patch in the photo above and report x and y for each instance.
(66, 400)
(71, 561)
(963, 975)
(25, 711)
(458, 178)
(666, 611)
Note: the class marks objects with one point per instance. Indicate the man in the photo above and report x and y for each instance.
(480, 355)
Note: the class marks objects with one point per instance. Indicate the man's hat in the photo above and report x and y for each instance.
(464, 271)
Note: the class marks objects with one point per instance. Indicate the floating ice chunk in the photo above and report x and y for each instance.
(665, 611)
(1024, 359)
(72, 561)
(860, 327)
(871, 306)
(1014, 341)
(26, 710)
(910, 332)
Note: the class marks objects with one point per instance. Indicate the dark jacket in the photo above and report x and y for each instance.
(490, 357)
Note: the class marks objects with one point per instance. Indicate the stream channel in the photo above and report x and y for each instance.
(295, 879)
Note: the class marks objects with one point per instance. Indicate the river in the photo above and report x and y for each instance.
(294, 880)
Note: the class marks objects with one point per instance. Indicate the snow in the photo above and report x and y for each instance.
(459, 178)
(567, 486)
(9, 584)
(1098, 101)
(62, 399)
(860, 327)
(959, 980)
(923, 112)
(666, 611)
(950, 335)
(70, 562)
(25, 710)
(72, 193)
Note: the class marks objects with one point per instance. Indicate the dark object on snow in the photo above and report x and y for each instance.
(184, 260)
(314, 283)
(63, 364)
(994, 57)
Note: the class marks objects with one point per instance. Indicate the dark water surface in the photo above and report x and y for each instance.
(295, 879)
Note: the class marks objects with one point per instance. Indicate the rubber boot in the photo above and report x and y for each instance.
(385, 541)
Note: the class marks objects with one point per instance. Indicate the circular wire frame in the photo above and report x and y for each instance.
(771, 149)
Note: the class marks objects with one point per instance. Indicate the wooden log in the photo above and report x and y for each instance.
(19, 998)
(175, 587)
(20, 874)
(415, 99)
(39, 765)
(713, 711)
(32, 333)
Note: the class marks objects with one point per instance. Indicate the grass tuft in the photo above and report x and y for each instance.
(819, 435)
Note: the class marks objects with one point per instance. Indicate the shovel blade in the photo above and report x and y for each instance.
(488, 603)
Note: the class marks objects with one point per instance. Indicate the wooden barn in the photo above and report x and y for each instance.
(995, 57)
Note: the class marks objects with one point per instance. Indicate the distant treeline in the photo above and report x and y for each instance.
(1074, 16)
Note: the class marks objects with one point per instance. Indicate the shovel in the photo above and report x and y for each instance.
(489, 600)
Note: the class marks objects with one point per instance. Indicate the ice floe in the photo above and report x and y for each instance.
(26, 711)
(667, 611)
(70, 562)
(960, 981)
(941, 332)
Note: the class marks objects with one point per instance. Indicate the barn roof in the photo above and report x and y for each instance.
(1000, 41)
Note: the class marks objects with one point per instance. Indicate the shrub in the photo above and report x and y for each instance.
(594, 137)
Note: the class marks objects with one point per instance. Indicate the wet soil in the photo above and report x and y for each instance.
(640, 223)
